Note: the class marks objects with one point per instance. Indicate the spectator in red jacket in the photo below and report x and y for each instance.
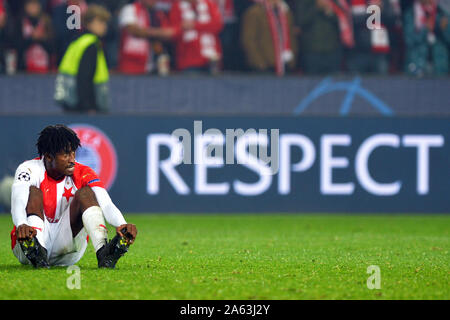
(197, 24)
(137, 29)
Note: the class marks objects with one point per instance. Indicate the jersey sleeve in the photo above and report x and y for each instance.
(85, 176)
(25, 177)
(88, 177)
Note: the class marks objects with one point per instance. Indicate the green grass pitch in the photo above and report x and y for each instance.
(274, 256)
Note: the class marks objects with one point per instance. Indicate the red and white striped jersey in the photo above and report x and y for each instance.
(57, 194)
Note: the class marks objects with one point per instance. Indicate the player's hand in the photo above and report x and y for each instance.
(25, 232)
(128, 231)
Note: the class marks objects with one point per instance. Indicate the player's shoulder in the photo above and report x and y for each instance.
(30, 170)
(34, 164)
(82, 168)
(85, 175)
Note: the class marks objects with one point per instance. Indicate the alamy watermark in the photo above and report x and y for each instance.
(73, 22)
(74, 19)
(74, 280)
(249, 147)
(374, 281)
(374, 20)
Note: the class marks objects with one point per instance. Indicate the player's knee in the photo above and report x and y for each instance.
(84, 194)
(85, 197)
(35, 204)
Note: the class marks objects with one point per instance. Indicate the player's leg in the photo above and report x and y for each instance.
(66, 250)
(33, 250)
(86, 212)
(35, 212)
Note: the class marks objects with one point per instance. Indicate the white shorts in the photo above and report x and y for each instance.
(62, 248)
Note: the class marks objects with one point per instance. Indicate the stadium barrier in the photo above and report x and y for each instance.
(305, 164)
(244, 95)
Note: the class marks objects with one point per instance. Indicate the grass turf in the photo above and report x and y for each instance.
(254, 257)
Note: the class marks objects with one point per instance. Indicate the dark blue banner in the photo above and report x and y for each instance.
(255, 164)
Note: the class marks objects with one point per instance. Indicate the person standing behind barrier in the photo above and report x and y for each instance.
(427, 38)
(268, 37)
(32, 35)
(230, 34)
(64, 35)
(321, 48)
(135, 55)
(371, 48)
(111, 40)
(444, 21)
(82, 82)
(197, 24)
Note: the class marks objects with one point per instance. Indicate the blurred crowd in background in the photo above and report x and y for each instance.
(256, 36)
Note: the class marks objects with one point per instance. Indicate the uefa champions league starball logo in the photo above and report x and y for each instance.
(97, 152)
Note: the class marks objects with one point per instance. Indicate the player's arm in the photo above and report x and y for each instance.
(113, 215)
(20, 193)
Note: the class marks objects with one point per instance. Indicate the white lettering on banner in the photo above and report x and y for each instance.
(203, 153)
(309, 156)
(362, 163)
(185, 136)
(209, 147)
(423, 143)
(231, 135)
(208, 154)
(253, 163)
(214, 151)
(167, 167)
(328, 162)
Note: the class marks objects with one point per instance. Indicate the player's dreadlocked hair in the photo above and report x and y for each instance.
(57, 138)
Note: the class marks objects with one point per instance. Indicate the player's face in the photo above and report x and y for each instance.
(63, 163)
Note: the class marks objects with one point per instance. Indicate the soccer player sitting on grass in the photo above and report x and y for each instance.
(58, 204)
